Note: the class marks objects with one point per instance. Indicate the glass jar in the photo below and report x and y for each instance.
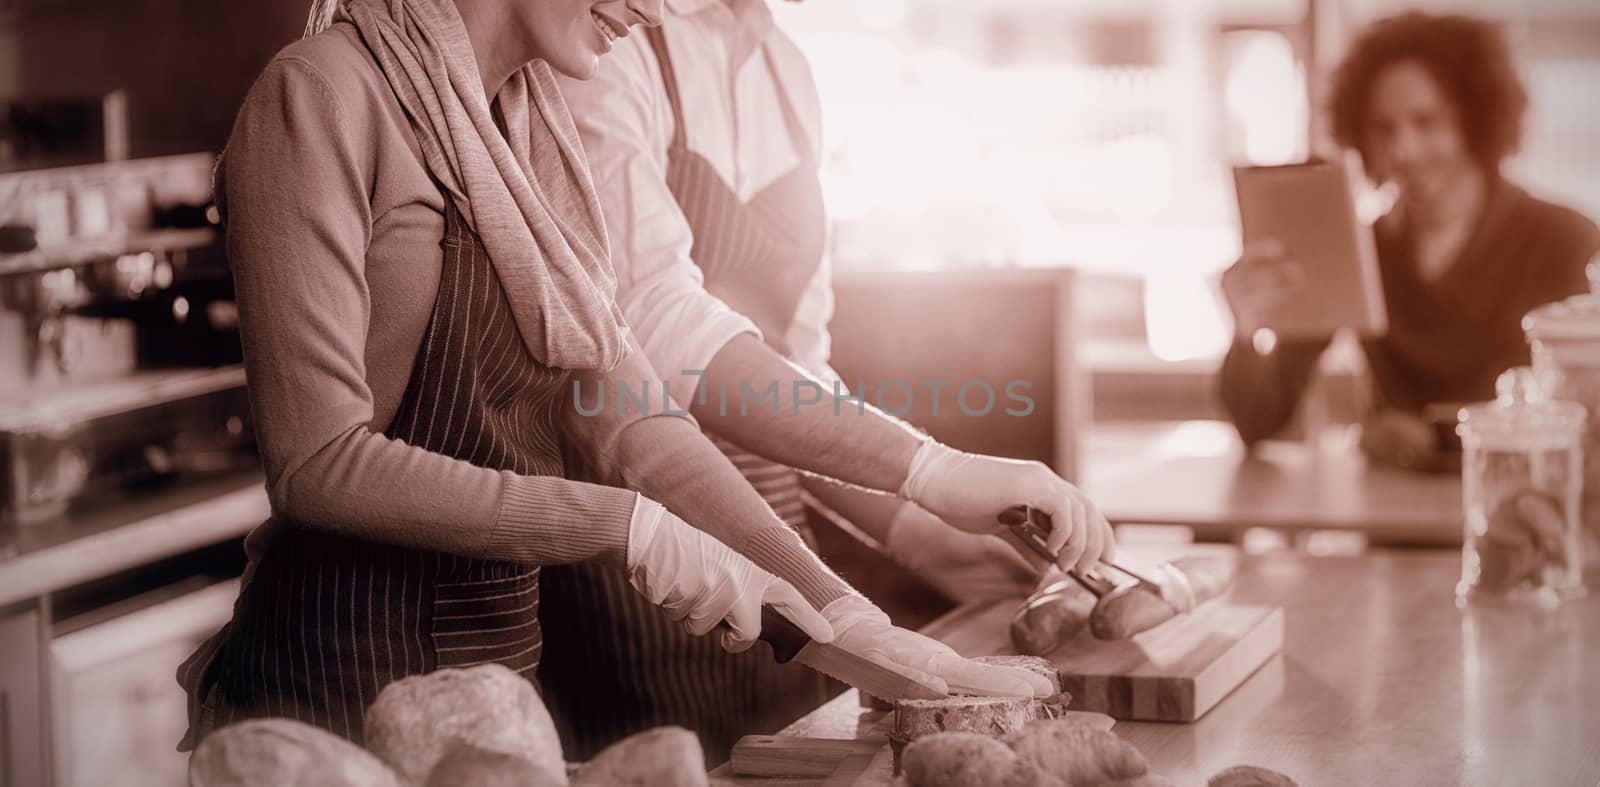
(1565, 340)
(1522, 483)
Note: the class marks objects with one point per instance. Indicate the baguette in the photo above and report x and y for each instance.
(1050, 618)
(1133, 609)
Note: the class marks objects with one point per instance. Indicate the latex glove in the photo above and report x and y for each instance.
(963, 566)
(862, 628)
(970, 490)
(700, 582)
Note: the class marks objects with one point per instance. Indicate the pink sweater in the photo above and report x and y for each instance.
(333, 237)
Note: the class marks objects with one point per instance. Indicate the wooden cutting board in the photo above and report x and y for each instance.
(866, 762)
(1174, 672)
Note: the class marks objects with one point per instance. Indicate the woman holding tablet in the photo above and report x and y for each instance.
(1434, 106)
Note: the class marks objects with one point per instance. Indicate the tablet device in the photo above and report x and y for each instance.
(1311, 209)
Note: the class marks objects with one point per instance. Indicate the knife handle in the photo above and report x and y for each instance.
(782, 634)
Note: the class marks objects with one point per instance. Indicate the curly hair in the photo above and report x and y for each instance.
(1468, 57)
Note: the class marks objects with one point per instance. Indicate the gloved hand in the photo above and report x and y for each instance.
(970, 490)
(700, 582)
(963, 566)
(861, 627)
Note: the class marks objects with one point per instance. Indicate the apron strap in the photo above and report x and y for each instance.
(669, 81)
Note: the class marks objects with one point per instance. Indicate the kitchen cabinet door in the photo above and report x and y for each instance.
(119, 709)
(22, 719)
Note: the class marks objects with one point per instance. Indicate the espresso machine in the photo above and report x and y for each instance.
(119, 353)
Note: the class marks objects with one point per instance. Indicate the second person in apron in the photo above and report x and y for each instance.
(704, 137)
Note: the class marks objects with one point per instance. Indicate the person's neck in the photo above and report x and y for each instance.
(498, 42)
(1456, 206)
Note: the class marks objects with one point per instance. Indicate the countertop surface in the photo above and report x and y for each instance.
(1382, 681)
(1198, 474)
(127, 530)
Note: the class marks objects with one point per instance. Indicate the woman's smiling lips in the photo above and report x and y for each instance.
(610, 29)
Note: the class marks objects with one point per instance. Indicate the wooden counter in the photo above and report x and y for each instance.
(1197, 474)
(126, 531)
(1382, 681)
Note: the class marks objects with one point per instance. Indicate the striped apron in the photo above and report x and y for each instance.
(324, 621)
(758, 257)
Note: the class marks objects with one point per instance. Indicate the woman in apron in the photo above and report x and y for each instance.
(422, 276)
(703, 137)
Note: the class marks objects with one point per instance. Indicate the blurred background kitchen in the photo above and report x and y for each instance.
(1020, 189)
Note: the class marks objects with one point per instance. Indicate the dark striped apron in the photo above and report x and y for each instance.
(324, 621)
(758, 257)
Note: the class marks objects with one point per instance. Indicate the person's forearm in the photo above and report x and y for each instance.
(871, 512)
(1261, 391)
(668, 460)
(753, 397)
(367, 486)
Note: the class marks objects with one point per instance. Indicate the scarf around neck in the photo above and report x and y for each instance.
(527, 193)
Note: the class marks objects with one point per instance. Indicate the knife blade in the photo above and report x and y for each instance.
(790, 643)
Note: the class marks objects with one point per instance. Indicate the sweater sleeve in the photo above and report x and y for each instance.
(1261, 391)
(294, 185)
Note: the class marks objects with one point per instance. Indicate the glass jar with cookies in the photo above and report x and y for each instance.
(1522, 484)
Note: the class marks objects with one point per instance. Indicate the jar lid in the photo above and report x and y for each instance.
(1575, 318)
(1522, 415)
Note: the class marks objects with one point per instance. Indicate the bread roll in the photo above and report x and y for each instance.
(661, 757)
(1090, 719)
(965, 759)
(1049, 619)
(1076, 753)
(1147, 780)
(1249, 776)
(1127, 611)
(416, 720)
(283, 753)
(466, 765)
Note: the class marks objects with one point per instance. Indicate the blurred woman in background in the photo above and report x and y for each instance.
(1434, 106)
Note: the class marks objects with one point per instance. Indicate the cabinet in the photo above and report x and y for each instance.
(22, 711)
(119, 711)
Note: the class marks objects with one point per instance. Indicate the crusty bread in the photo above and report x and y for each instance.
(1249, 776)
(965, 759)
(416, 720)
(466, 765)
(283, 753)
(985, 715)
(1076, 753)
(1147, 780)
(1050, 618)
(659, 757)
(1034, 664)
(993, 716)
(1128, 610)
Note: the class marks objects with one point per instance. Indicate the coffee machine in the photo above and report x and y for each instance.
(119, 352)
